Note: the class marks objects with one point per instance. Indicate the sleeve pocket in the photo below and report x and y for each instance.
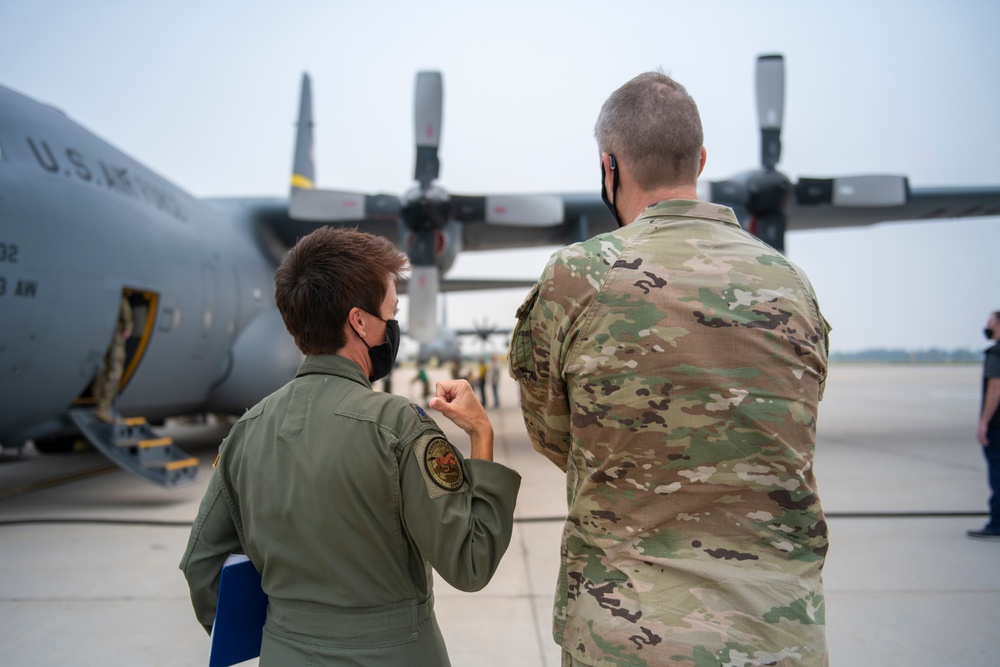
(522, 363)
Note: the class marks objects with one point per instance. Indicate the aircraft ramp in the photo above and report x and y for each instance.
(132, 444)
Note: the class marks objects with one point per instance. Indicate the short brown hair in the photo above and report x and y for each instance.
(652, 124)
(327, 273)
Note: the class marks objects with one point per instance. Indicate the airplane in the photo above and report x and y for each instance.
(446, 347)
(83, 225)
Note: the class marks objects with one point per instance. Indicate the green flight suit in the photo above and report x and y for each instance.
(344, 499)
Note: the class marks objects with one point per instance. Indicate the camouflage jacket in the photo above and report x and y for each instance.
(673, 369)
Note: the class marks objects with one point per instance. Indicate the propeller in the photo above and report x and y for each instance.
(432, 219)
(761, 197)
(485, 329)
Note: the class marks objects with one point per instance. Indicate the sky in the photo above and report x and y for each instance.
(206, 94)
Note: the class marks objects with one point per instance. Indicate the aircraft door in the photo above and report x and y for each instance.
(143, 305)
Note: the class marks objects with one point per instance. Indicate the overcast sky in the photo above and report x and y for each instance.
(206, 93)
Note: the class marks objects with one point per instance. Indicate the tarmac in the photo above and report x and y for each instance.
(89, 553)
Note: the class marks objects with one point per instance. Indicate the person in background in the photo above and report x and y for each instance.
(481, 372)
(988, 432)
(425, 383)
(495, 380)
(110, 375)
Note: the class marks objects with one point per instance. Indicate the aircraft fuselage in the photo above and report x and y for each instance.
(81, 224)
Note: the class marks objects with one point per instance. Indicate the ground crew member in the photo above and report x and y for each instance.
(110, 375)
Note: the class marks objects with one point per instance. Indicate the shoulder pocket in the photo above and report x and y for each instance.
(255, 411)
(522, 362)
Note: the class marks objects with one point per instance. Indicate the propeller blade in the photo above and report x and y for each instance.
(341, 206)
(534, 210)
(427, 110)
(727, 193)
(513, 210)
(770, 105)
(422, 290)
(303, 168)
(853, 191)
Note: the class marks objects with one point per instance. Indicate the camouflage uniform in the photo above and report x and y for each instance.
(344, 498)
(672, 369)
(106, 385)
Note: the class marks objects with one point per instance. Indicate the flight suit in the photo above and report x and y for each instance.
(344, 499)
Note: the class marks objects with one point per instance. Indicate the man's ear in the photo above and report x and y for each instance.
(609, 162)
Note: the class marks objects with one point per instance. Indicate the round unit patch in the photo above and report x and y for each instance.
(442, 464)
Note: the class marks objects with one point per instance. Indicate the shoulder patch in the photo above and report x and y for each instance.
(442, 464)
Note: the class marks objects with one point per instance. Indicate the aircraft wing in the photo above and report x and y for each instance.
(921, 204)
(586, 215)
(270, 216)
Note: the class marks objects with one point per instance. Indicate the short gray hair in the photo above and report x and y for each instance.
(652, 124)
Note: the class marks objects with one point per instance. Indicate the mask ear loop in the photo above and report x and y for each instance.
(613, 163)
(613, 207)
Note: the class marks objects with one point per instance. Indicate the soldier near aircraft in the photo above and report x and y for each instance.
(673, 368)
(106, 385)
(344, 498)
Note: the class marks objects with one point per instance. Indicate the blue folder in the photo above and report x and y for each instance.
(239, 615)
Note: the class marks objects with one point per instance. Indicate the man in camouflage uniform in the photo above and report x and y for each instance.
(672, 368)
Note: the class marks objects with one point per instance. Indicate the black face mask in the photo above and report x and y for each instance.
(614, 189)
(988, 333)
(383, 355)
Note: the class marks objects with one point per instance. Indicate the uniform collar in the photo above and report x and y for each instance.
(333, 364)
(688, 208)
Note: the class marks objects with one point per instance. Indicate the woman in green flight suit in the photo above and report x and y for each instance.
(344, 498)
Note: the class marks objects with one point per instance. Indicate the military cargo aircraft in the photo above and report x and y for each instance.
(83, 225)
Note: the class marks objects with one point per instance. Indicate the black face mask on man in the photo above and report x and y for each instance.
(988, 333)
(614, 189)
(383, 355)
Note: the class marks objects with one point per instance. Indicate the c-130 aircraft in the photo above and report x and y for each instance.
(83, 225)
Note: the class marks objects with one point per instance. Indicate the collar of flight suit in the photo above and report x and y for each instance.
(333, 364)
(688, 208)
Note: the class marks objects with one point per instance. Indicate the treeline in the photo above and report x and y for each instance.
(931, 356)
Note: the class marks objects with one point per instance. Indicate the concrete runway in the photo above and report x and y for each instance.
(88, 553)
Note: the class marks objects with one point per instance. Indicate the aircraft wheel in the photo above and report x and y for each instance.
(62, 445)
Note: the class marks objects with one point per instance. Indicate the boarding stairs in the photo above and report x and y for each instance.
(132, 444)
